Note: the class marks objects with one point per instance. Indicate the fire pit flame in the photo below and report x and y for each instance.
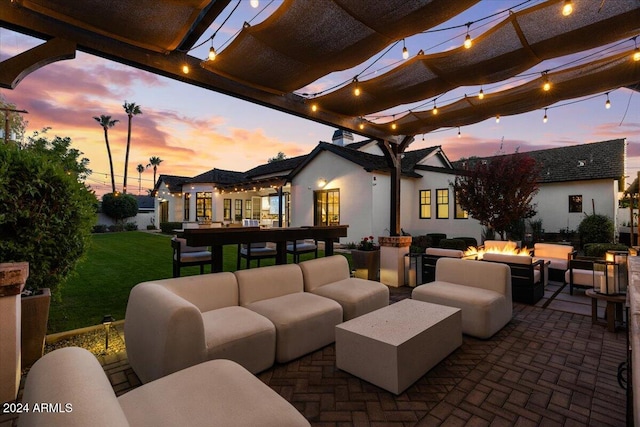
(510, 248)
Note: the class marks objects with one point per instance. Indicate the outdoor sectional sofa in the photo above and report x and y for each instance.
(482, 290)
(559, 257)
(253, 317)
(215, 393)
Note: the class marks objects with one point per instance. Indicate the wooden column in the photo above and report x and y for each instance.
(393, 154)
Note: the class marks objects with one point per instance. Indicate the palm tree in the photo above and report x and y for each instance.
(155, 162)
(106, 123)
(132, 110)
(140, 169)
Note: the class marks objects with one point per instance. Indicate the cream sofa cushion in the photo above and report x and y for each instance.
(558, 255)
(330, 277)
(268, 282)
(451, 253)
(199, 292)
(241, 335)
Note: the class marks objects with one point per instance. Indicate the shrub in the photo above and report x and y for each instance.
(468, 241)
(151, 227)
(596, 229)
(168, 227)
(435, 239)
(47, 214)
(119, 206)
(421, 242)
(100, 228)
(131, 226)
(116, 227)
(453, 244)
(600, 249)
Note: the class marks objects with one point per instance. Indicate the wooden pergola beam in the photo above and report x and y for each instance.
(14, 69)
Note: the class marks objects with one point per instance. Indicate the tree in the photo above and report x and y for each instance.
(155, 162)
(119, 206)
(47, 213)
(277, 157)
(107, 123)
(132, 110)
(498, 191)
(140, 169)
(61, 149)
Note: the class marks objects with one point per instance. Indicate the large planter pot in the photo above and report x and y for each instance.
(35, 315)
(366, 264)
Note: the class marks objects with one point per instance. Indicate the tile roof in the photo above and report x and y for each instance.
(145, 202)
(219, 176)
(173, 181)
(597, 160)
(285, 165)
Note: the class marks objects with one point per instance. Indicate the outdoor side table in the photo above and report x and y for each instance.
(614, 310)
(394, 346)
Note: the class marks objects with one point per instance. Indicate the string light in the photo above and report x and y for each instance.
(405, 51)
(547, 85)
(481, 94)
(393, 123)
(185, 68)
(254, 3)
(607, 104)
(314, 107)
(498, 118)
(544, 119)
(459, 135)
(567, 8)
(356, 90)
(467, 39)
(636, 52)
(212, 52)
(435, 108)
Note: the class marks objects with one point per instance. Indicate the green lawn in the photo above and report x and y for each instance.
(114, 264)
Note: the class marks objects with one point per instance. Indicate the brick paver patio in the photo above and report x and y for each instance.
(546, 367)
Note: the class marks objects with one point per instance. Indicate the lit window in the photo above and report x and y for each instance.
(442, 200)
(425, 204)
(459, 212)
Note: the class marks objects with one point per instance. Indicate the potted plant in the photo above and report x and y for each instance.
(366, 259)
(47, 221)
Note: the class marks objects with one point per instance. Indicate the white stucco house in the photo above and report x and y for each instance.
(343, 182)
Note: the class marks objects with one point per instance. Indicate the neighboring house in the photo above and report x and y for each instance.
(146, 213)
(578, 180)
(349, 183)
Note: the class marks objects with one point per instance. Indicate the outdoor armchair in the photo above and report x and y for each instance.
(185, 256)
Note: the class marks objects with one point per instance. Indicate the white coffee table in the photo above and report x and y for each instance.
(396, 345)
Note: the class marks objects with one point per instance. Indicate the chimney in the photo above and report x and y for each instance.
(342, 137)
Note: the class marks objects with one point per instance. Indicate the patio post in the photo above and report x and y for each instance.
(13, 276)
(392, 251)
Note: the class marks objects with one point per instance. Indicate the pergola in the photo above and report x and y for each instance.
(302, 41)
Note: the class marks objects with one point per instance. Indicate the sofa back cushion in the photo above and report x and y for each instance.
(451, 253)
(513, 259)
(478, 274)
(549, 250)
(206, 291)
(71, 375)
(258, 284)
(322, 271)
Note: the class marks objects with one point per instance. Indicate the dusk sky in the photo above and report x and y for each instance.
(194, 130)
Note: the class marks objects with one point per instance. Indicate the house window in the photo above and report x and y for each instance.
(203, 204)
(425, 204)
(247, 209)
(227, 209)
(237, 213)
(575, 203)
(326, 207)
(187, 206)
(442, 200)
(459, 212)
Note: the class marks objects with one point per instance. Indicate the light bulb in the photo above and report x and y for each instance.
(314, 107)
(547, 86)
(459, 135)
(498, 118)
(435, 109)
(636, 54)
(544, 119)
(254, 3)
(212, 53)
(185, 69)
(567, 8)
(405, 53)
(467, 41)
(607, 104)
(394, 126)
(361, 125)
(481, 94)
(356, 91)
